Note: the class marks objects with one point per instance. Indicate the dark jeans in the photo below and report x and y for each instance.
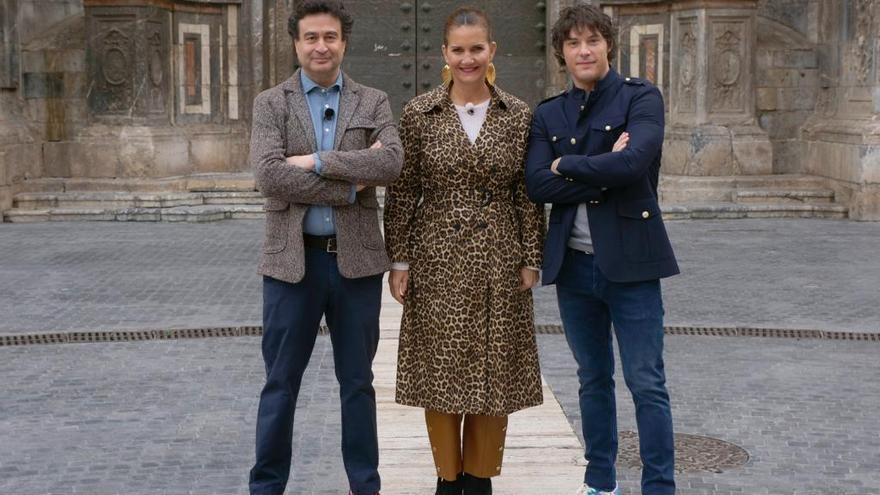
(291, 317)
(589, 304)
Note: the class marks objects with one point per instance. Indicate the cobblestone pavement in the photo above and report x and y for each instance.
(177, 417)
(810, 274)
(805, 410)
(172, 417)
(802, 274)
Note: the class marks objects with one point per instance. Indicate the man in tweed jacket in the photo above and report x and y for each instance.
(320, 145)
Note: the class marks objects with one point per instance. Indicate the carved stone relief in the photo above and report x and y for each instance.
(128, 51)
(726, 67)
(864, 12)
(113, 66)
(156, 60)
(687, 68)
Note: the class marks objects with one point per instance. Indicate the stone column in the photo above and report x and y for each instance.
(712, 129)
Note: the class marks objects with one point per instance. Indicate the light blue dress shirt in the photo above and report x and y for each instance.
(320, 220)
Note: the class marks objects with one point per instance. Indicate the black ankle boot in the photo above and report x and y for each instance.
(476, 486)
(445, 487)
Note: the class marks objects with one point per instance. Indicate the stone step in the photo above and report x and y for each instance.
(239, 181)
(785, 196)
(682, 189)
(127, 200)
(197, 213)
(722, 210)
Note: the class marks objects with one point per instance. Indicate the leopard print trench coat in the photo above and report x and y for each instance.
(460, 217)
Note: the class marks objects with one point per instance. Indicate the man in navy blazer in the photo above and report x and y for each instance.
(594, 153)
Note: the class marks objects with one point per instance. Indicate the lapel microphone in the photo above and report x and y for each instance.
(328, 114)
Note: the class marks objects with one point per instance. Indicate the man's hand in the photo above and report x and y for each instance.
(621, 142)
(620, 145)
(305, 162)
(397, 282)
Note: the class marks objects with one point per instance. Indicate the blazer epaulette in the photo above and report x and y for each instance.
(635, 81)
(545, 100)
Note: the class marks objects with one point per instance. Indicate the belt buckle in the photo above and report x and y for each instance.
(331, 245)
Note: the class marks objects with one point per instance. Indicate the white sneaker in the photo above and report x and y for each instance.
(586, 490)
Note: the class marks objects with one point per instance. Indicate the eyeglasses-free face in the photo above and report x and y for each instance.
(586, 57)
(320, 47)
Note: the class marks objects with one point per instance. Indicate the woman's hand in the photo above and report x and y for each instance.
(621, 142)
(528, 278)
(397, 282)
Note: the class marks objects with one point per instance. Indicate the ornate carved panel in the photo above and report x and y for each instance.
(113, 59)
(8, 44)
(864, 35)
(727, 66)
(127, 53)
(686, 88)
(157, 68)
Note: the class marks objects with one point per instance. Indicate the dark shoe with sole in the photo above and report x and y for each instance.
(476, 486)
(445, 487)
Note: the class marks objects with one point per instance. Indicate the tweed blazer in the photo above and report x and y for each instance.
(282, 127)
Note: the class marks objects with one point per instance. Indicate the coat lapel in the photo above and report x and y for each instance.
(348, 103)
(298, 109)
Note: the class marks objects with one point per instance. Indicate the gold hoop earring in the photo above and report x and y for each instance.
(490, 74)
(446, 74)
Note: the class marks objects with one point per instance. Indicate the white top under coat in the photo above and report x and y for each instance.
(472, 118)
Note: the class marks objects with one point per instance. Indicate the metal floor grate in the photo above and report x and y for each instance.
(779, 333)
(99, 336)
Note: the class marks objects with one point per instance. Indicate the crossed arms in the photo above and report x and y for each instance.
(291, 179)
(572, 179)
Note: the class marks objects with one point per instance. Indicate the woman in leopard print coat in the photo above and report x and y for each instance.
(459, 221)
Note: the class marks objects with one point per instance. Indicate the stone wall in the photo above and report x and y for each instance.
(787, 85)
(842, 138)
(19, 144)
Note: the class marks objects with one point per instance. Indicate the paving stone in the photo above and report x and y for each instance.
(177, 416)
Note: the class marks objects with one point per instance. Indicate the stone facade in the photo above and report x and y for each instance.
(757, 87)
(107, 89)
(151, 89)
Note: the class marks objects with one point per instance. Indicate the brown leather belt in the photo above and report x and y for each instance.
(323, 242)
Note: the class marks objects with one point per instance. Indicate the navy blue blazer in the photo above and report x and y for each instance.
(620, 189)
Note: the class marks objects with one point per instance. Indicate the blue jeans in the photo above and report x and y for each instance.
(291, 317)
(589, 304)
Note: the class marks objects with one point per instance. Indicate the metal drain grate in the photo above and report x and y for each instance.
(779, 333)
(256, 331)
(692, 453)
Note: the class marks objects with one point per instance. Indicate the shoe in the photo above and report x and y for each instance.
(352, 493)
(586, 490)
(445, 487)
(476, 486)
